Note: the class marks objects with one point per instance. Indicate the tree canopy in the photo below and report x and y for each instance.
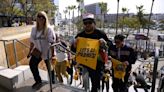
(26, 8)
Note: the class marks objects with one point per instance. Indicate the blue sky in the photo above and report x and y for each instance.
(112, 5)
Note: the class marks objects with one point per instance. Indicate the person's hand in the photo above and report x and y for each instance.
(102, 41)
(126, 63)
(109, 57)
(54, 59)
(29, 54)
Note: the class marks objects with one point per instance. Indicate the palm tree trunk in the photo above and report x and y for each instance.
(117, 17)
(69, 24)
(149, 22)
(78, 12)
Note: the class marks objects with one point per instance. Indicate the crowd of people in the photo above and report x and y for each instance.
(65, 64)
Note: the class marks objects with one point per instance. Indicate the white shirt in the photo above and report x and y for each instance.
(61, 54)
(43, 43)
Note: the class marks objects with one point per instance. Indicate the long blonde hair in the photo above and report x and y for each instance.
(45, 30)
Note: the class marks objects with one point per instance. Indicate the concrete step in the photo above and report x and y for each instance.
(2, 68)
(9, 78)
(26, 87)
(25, 72)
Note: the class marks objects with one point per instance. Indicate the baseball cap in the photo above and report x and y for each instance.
(88, 16)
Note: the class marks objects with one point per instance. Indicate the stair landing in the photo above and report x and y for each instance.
(26, 87)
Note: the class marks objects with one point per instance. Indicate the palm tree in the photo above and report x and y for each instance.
(79, 1)
(69, 12)
(150, 16)
(124, 10)
(103, 9)
(65, 12)
(149, 26)
(73, 8)
(140, 15)
(82, 11)
(117, 16)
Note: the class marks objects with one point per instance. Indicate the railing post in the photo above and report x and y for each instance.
(7, 59)
(155, 70)
(15, 53)
(49, 69)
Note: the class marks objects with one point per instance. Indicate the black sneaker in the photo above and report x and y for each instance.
(37, 85)
(53, 82)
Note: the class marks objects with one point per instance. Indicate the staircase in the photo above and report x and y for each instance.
(20, 79)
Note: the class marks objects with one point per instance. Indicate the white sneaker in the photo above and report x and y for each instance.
(68, 81)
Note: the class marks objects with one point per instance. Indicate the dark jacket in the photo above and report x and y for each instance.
(126, 54)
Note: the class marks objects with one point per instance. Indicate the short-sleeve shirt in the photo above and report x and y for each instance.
(41, 42)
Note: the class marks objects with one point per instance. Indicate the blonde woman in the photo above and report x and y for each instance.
(42, 36)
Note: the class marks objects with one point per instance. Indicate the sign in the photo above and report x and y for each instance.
(87, 52)
(119, 69)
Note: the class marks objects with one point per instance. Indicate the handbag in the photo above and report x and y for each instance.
(36, 53)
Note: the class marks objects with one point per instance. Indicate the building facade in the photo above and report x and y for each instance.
(93, 8)
(57, 16)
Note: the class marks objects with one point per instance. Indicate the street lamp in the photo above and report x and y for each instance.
(117, 16)
(149, 24)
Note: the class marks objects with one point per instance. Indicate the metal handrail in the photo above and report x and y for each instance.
(59, 43)
(15, 54)
(22, 43)
(48, 67)
(17, 41)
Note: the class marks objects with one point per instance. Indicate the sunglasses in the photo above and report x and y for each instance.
(87, 22)
(41, 17)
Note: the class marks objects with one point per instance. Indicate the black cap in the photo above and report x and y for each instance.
(119, 37)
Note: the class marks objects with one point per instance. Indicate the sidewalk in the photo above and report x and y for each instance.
(8, 31)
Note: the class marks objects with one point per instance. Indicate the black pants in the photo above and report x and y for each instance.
(141, 86)
(95, 76)
(126, 78)
(70, 72)
(34, 62)
(118, 85)
(107, 84)
(95, 79)
(162, 86)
